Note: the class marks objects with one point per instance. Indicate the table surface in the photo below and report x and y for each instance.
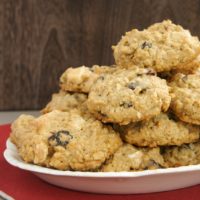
(7, 117)
(24, 185)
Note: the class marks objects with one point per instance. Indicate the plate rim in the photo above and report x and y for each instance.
(10, 153)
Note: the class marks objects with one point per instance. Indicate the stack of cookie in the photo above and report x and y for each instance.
(141, 113)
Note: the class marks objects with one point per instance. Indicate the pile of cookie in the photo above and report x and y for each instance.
(141, 113)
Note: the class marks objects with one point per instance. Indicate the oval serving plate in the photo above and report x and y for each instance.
(111, 182)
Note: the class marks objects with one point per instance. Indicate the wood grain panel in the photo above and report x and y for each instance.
(39, 39)
(1, 54)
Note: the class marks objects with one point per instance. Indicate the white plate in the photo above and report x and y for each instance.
(111, 182)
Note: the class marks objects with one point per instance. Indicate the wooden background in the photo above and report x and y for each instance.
(39, 39)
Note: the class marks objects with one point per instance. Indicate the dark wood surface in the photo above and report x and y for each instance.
(39, 39)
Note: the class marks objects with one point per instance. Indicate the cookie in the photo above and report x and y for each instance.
(65, 101)
(81, 79)
(163, 129)
(164, 26)
(185, 93)
(22, 128)
(192, 68)
(182, 156)
(130, 158)
(104, 69)
(64, 140)
(163, 47)
(128, 96)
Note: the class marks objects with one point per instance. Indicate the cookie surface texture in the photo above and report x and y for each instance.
(182, 156)
(161, 130)
(163, 46)
(64, 140)
(130, 158)
(81, 79)
(185, 93)
(65, 101)
(128, 95)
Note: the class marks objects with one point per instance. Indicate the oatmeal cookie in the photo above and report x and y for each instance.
(164, 26)
(192, 68)
(185, 93)
(64, 140)
(163, 129)
(187, 154)
(130, 158)
(128, 95)
(81, 79)
(65, 101)
(163, 47)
